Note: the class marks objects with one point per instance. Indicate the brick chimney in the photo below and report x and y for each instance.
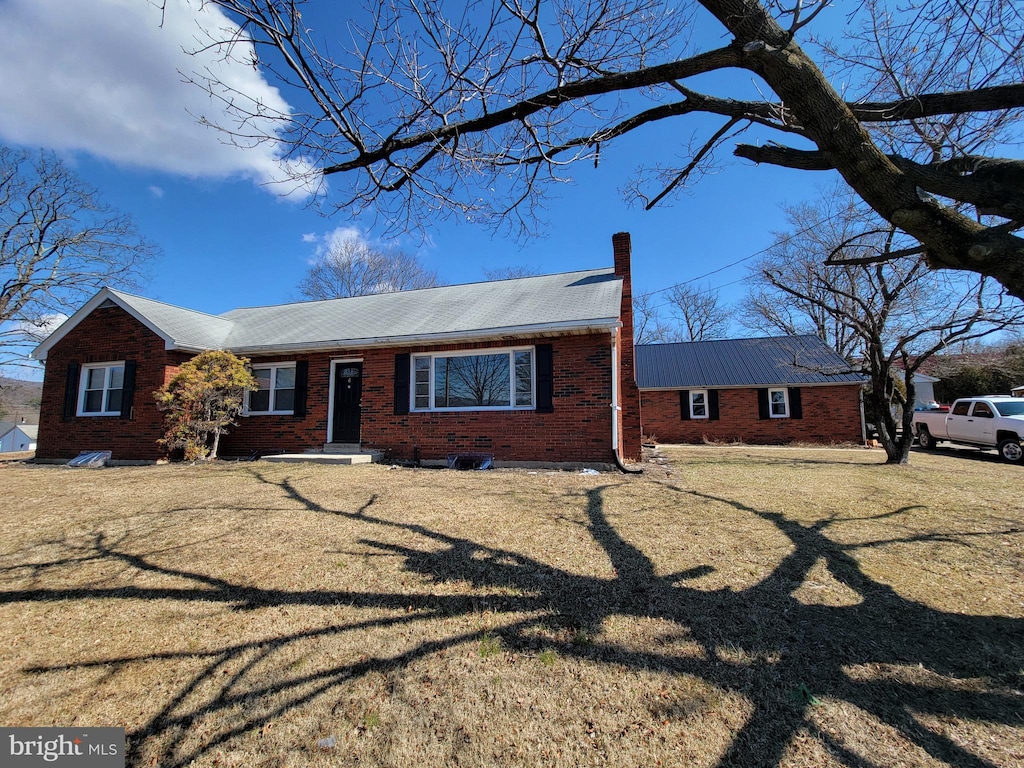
(629, 395)
(622, 249)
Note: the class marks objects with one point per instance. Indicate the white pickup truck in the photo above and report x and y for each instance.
(989, 421)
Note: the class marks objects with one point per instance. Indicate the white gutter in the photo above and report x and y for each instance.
(615, 392)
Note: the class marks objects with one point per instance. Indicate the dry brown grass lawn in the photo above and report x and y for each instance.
(750, 607)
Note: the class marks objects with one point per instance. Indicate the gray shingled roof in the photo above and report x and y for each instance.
(771, 361)
(562, 303)
(570, 299)
(189, 329)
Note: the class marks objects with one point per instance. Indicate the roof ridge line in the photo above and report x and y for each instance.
(732, 339)
(610, 270)
(168, 304)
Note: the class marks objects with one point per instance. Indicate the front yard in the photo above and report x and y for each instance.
(750, 607)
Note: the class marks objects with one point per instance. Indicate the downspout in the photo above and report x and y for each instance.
(615, 392)
(863, 420)
(616, 408)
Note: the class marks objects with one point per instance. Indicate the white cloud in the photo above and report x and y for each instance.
(19, 337)
(339, 235)
(156, 191)
(38, 330)
(352, 234)
(322, 243)
(103, 76)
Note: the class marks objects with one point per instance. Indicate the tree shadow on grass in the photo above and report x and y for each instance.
(784, 656)
(962, 453)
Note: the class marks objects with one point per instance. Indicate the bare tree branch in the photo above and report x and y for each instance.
(59, 244)
(474, 110)
(836, 260)
(648, 325)
(704, 151)
(989, 184)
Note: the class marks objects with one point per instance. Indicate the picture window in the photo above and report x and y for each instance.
(474, 380)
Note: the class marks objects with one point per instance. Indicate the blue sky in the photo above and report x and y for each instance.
(97, 81)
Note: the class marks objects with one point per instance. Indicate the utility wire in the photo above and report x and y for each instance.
(754, 255)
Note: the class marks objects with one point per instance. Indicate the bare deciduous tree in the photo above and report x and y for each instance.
(471, 110)
(888, 313)
(59, 244)
(648, 325)
(509, 273)
(700, 313)
(351, 267)
(818, 229)
(472, 380)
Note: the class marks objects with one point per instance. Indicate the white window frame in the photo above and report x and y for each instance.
(273, 368)
(785, 401)
(510, 351)
(707, 404)
(83, 379)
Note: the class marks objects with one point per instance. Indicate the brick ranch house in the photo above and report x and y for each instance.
(773, 390)
(529, 369)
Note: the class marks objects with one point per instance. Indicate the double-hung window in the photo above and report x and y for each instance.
(101, 389)
(476, 380)
(276, 393)
(699, 404)
(778, 403)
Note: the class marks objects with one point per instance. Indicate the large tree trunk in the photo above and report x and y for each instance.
(896, 452)
(895, 437)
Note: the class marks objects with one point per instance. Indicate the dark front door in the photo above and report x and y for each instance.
(348, 391)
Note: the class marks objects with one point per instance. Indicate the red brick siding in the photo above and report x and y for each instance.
(285, 433)
(831, 414)
(106, 335)
(579, 429)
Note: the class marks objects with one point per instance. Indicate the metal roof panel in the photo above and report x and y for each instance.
(758, 362)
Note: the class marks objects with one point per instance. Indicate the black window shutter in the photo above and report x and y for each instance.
(128, 389)
(402, 384)
(762, 404)
(545, 379)
(71, 393)
(301, 386)
(796, 406)
(684, 405)
(713, 404)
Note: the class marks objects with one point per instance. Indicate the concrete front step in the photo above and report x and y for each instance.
(342, 448)
(367, 457)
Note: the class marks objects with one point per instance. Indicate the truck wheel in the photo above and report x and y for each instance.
(925, 439)
(1011, 451)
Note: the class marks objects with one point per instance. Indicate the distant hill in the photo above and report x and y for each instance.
(20, 399)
